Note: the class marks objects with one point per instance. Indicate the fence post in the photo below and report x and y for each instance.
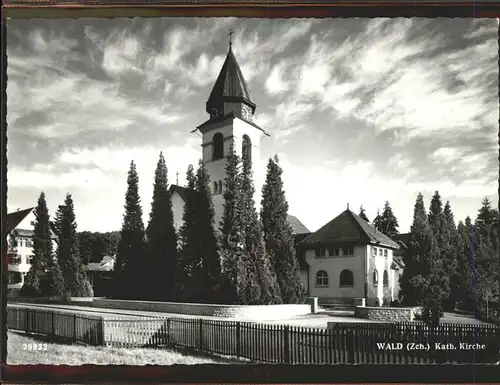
(74, 327)
(26, 320)
(286, 343)
(238, 339)
(53, 323)
(100, 332)
(201, 334)
(169, 337)
(350, 345)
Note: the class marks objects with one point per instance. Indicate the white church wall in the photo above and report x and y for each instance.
(379, 292)
(235, 129)
(258, 164)
(303, 278)
(333, 266)
(177, 210)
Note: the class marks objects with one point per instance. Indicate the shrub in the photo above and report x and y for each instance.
(396, 303)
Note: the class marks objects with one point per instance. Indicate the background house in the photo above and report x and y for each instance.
(348, 258)
(100, 275)
(20, 226)
(399, 255)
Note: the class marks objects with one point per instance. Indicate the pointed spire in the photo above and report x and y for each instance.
(230, 34)
(177, 178)
(347, 206)
(230, 86)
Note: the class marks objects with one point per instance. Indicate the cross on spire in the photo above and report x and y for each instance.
(230, 34)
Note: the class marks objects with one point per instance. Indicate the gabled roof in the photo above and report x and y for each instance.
(351, 228)
(182, 191)
(397, 263)
(403, 240)
(230, 85)
(297, 226)
(13, 219)
(107, 264)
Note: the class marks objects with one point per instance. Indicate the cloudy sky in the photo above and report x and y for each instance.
(360, 110)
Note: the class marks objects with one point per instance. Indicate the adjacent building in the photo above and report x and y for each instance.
(348, 259)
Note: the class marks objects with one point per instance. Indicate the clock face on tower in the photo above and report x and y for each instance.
(246, 113)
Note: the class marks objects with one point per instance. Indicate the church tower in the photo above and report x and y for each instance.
(231, 111)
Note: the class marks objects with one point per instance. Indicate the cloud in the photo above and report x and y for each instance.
(275, 83)
(363, 110)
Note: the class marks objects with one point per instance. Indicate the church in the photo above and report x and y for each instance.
(339, 262)
(230, 109)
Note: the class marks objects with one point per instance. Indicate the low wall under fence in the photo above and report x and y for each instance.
(350, 343)
(242, 312)
(389, 314)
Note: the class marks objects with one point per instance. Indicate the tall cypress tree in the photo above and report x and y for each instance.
(255, 265)
(443, 233)
(451, 246)
(130, 257)
(412, 280)
(464, 271)
(187, 263)
(362, 214)
(388, 223)
(487, 266)
(161, 238)
(436, 216)
(44, 277)
(278, 235)
(207, 246)
(76, 283)
(231, 229)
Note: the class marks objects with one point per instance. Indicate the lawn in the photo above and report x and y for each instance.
(67, 354)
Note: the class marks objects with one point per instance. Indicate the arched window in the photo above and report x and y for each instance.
(220, 187)
(215, 188)
(346, 278)
(218, 146)
(386, 279)
(246, 150)
(321, 278)
(375, 278)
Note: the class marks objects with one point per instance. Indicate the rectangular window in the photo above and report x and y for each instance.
(379, 251)
(13, 277)
(349, 250)
(320, 251)
(385, 253)
(14, 259)
(333, 251)
(374, 251)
